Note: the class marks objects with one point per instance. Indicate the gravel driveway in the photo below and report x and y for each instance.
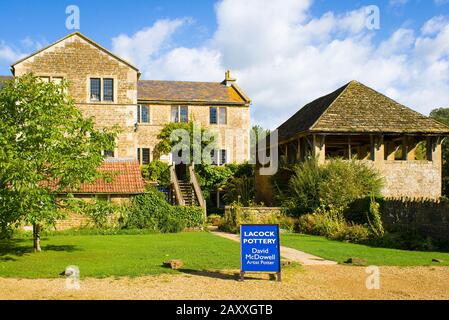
(308, 282)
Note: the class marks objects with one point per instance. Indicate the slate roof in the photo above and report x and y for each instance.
(126, 179)
(356, 108)
(183, 91)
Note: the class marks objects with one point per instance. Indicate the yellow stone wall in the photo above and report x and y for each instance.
(77, 60)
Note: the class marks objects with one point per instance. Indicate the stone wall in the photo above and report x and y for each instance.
(234, 136)
(413, 179)
(257, 212)
(73, 221)
(77, 60)
(427, 217)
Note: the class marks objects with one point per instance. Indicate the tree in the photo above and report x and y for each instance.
(198, 140)
(47, 148)
(257, 134)
(442, 115)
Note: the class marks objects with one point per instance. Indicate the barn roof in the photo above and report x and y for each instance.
(356, 108)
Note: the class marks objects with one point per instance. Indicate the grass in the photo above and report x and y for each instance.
(340, 252)
(116, 255)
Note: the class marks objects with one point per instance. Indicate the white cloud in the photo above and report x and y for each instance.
(9, 54)
(146, 43)
(284, 57)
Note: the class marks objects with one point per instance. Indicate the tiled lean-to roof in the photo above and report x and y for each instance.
(184, 91)
(126, 178)
(356, 108)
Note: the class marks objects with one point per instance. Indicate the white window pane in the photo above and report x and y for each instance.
(223, 115)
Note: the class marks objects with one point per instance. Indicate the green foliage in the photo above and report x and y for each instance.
(104, 214)
(157, 171)
(241, 190)
(192, 217)
(197, 141)
(46, 147)
(237, 216)
(336, 184)
(442, 115)
(375, 221)
(214, 219)
(151, 211)
(332, 224)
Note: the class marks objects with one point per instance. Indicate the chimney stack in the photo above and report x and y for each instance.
(228, 81)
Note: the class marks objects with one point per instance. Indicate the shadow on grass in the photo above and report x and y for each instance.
(216, 274)
(21, 247)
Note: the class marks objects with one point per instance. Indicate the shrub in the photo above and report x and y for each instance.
(151, 211)
(193, 217)
(332, 224)
(240, 189)
(157, 171)
(236, 216)
(104, 214)
(336, 184)
(214, 219)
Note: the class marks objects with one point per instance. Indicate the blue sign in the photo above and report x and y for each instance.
(260, 248)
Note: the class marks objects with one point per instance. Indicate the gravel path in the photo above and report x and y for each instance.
(303, 258)
(308, 282)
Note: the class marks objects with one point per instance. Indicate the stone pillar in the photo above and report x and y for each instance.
(298, 150)
(319, 148)
(429, 148)
(390, 150)
(379, 150)
(410, 148)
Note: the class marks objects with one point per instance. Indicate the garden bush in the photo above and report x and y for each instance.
(151, 211)
(157, 171)
(237, 216)
(331, 223)
(336, 184)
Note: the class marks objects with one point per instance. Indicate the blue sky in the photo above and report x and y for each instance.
(284, 53)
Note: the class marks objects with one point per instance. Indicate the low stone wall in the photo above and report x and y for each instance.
(428, 217)
(257, 212)
(73, 221)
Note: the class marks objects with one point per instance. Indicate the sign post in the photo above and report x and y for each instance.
(260, 249)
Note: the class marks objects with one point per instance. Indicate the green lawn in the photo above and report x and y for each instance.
(118, 255)
(340, 252)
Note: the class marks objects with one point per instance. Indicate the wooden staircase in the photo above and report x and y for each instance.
(188, 193)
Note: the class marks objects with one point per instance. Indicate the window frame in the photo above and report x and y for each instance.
(140, 108)
(210, 115)
(140, 155)
(103, 82)
(99, 88)
(219, 112)
(179, 115)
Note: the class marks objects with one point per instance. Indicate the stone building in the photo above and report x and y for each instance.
(109, 89)
(356, 122)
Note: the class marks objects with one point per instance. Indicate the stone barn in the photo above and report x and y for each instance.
(357, 122)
